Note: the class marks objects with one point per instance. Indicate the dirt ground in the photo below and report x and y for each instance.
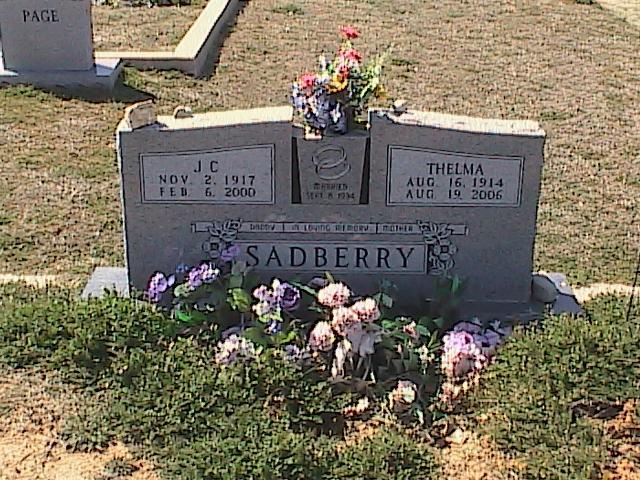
(32, 408)
(142, 28)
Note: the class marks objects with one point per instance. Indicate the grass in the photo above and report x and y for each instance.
(164, 398)
(528, 402)
(142, 28)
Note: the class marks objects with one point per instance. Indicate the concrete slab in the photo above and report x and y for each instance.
(107, 278)
(102, 77)
(199, 48)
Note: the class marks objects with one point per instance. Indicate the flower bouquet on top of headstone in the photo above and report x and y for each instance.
(329, 99)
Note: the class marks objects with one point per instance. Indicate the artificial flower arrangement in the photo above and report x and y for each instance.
(328, 99)
(355, 342)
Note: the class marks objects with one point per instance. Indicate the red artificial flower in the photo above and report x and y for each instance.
(351, 55)
(343, 70)
(349, 32)
(307, 80)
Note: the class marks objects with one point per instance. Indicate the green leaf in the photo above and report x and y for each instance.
(284, 337)
(239, 300)
(304, 288)
(235, 280)
(239, 268)
(456, 283)
(329, 277)
(386, 300)
(256, 335)
(422, 330)
(388, 324)
(193, 317)
(439, 322)
(181, 290)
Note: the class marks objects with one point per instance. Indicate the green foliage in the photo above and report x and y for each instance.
(529, 392)
(288, 9)
(83, 341)
(389, 454)
(164, 395)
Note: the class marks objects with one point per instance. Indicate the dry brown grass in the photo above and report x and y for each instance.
(573, 67)
(133, 28)
(624, 431)
(472, 457)
(33, 407)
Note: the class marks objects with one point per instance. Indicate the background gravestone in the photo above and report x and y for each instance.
(443, 196)
(49, 44)
(46, 35)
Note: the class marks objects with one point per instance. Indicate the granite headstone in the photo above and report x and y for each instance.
(440, 196)
(49, 43)
(46, 35)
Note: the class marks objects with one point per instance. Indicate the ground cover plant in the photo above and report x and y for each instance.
(165, 396)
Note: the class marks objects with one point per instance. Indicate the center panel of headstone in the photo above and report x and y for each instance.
(333, 170)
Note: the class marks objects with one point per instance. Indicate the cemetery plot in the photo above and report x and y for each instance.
(143, 28)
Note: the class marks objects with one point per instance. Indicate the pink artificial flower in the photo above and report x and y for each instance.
(461, 355)
(321, 337)
(410, 330)
(334, 295)
(366, 310)
(349, 32)
(307, 80)
(343, 319)
(403, 396)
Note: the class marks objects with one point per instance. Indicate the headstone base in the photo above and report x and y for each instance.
(107, 278)
(116, 279)
(101, 78)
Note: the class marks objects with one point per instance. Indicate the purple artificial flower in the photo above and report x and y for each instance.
(281, 296)
(208, 273)
(266, 301)
(230, 253)
(274, 327)
(287, 295)
(204, 273)
(158, 284)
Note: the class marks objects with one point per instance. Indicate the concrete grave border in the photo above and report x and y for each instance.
(198, 49)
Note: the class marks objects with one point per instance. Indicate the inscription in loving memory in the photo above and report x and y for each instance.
(422, 177)
(233, 175)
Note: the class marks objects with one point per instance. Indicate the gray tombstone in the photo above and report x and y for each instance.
(438, 196)
(191, 186)
(46, 35)
(49, 43)
(476, 184)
